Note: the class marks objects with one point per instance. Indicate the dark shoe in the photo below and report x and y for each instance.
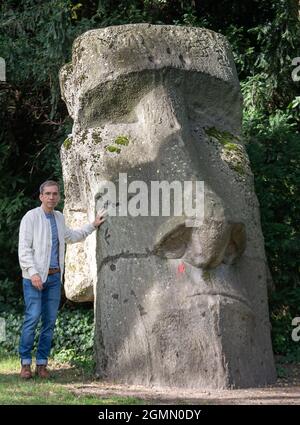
(26, 371)
(42, 372)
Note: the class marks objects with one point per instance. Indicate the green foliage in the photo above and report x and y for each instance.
(281, 372)
(9, 296)
(74, 331)
(279, 41)
(271, 127)
(73, 335)
(274, 150)
(13, 324)
(285, 306)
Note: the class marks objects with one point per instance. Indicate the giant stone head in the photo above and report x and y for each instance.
(178, 301)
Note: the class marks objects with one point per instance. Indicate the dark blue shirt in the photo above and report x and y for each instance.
(54, 262)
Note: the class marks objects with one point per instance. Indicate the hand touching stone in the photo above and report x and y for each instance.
(100, 217)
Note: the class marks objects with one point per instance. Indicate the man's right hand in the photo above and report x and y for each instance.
(37, 281)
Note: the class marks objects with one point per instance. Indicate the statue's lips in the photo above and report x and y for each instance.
(224, 295)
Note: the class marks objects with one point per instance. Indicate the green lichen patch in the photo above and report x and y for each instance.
(238, 168)
(236, 159)
(223, 137)
(118, 142)
(112, 148)
(67, 143)
(122, 140)
(231, 151)
(231, 147)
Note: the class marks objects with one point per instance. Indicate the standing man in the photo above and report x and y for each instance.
(42, 238)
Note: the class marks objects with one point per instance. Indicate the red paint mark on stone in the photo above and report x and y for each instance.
(181, 268)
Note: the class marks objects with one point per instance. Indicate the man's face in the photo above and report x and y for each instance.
(50, 197)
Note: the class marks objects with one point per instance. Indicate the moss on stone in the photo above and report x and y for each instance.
(231, 147)
(112, 148)
(119, 141)
(236, 161)
(122, 140)
(67, 143)
(223, 137)
(238, 167)
(233, 153)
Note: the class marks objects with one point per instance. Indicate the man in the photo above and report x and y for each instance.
(42, 238)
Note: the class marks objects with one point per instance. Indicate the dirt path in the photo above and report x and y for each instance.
(285, 391)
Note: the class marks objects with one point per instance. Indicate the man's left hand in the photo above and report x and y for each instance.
(100, 218)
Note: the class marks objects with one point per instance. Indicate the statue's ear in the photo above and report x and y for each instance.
(172, 238)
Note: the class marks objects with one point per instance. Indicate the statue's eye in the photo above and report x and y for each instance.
(114, 101)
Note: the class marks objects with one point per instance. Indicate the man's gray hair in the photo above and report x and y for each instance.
(48, 183)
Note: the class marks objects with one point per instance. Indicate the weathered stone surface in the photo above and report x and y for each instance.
(174, 305)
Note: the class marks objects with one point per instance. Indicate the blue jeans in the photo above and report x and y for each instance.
(39, 304)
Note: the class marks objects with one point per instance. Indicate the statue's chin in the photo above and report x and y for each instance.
(204, 343)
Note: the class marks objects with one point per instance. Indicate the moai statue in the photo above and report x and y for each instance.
(179, 301)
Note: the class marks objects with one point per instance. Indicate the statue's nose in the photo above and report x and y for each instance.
(160, 109)
(215, 242)
(207, 246)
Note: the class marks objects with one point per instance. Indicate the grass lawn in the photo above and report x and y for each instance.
(14, 390)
